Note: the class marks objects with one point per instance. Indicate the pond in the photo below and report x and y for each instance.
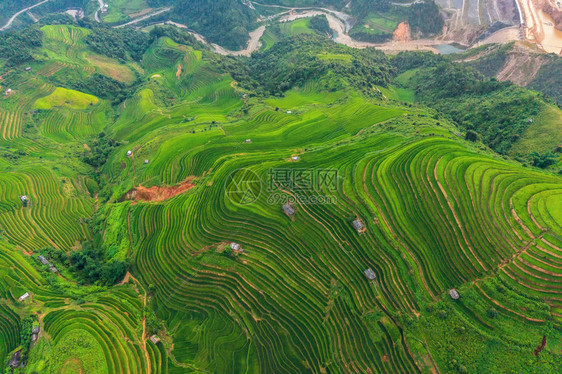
(447, 49)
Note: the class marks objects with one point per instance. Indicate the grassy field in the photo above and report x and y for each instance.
(286, 29)
(63, 97)
(123, 10)
(439, 213)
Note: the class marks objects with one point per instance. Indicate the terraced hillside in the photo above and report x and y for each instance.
(187, 161)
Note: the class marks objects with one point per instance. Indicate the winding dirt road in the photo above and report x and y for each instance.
(11, 20)
(136, 20)
(97, 14)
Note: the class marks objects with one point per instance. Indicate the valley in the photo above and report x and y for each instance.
(303, 204)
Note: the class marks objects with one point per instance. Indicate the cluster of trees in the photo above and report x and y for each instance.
(225, 22)
(498, 111)
(549, 79)
(296, 60)
(17, 47)
(8, 8)
(90, 265)
(305, 3)
(362, 8)
(121, 44)
(320, 24)
(104, 87)
(542, 160)
(425, 18)
(100, 148)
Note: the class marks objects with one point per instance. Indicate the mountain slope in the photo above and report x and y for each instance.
(195, 151)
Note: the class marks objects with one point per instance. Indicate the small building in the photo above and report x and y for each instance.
(288, 209)
(146, 162)
(16, 359)
(34, 338)
(295, 158)
(43, 260)
(36, 329)
(155, 339)
(370, 274)
(358, 225)
(236, 247)
(289, 112)
(53, 269)
(454, 294)
(248, 141)
(28, 68)
(24, 198)
(8, 91)
(23, 297)
(129, 153)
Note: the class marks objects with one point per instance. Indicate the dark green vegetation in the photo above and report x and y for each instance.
(549, 79)
(377, 19)
(439, 212)
(26, 42)
(295, 61)
(500, 112)
(537, 71)
(225, 22)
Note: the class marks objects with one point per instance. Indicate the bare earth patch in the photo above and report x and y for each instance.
(178, 72)
(159, 193)
(402, 33)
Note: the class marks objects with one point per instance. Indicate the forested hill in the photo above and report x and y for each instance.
(225, 22)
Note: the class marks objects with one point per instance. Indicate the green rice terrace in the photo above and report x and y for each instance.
(310, 209)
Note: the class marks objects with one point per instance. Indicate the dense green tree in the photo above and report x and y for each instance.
(425, 18)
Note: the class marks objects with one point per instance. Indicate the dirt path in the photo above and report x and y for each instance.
(11, 20)
(340, 29)
(97, 14)
(137, 20)
(253, 44)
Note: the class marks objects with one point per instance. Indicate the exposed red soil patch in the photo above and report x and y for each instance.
(178, 72)
(402, 33)
(158, 193)
(541, 346)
